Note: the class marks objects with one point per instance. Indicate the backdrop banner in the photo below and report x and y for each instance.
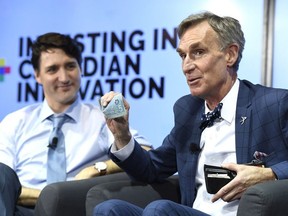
(128, 47)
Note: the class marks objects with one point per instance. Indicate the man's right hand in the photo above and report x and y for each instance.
(118, 126)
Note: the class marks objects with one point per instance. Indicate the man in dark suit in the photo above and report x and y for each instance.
(248, 125)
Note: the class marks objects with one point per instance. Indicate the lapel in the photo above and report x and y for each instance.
(190, 134)
(243, 122)
(197, 108)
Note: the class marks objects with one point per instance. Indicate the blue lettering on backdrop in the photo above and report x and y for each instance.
(111, 62)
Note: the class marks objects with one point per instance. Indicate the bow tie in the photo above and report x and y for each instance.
(209, 118)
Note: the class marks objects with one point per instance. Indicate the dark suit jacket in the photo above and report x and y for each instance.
(265, 130)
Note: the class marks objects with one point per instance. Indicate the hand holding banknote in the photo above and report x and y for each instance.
(115, 108)
(116, 111)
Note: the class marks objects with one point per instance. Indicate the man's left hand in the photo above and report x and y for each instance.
(246, 176)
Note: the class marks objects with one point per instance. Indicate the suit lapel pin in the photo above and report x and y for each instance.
(243, 118)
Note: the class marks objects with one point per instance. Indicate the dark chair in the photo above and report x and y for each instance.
(80, 197)
(137, 193)
(265, 199)
(68, 198)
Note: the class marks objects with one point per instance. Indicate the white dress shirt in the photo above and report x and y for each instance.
(24, 137)
(218, 147)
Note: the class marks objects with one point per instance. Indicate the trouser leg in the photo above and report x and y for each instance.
(157, 208)
(10, 189)
(115, 207)
(169, 208)
(24, 211)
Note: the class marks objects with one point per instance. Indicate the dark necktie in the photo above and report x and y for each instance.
(209, 118)
(56, 163)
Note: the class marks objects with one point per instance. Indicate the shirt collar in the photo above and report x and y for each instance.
(229, 103)
(73, 111)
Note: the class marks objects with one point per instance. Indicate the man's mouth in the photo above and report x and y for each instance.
(193, 81)
(65, 87)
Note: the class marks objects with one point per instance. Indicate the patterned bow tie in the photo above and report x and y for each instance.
(209, 118)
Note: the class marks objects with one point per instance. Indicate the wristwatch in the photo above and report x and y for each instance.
(101, 167)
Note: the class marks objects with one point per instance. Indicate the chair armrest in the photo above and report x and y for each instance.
(265, 199)
(134, 192)
(68, 198)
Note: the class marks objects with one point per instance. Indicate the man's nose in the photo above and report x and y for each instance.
(63, 75)
(188, 65)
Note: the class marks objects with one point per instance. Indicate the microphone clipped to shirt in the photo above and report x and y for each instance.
(57, 124)
(194, 148)
(53, 143)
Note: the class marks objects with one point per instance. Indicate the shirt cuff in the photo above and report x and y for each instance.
(125, 152)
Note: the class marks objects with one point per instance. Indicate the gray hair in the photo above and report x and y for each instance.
(227, 28)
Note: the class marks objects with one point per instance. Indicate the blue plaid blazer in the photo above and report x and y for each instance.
(265, 129)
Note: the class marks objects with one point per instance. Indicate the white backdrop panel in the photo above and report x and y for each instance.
(93, 23)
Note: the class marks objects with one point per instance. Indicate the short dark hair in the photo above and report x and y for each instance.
(54, 40)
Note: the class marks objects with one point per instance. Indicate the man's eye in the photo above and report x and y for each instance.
(182, 55)
(51, 69)
(71, 66)
(198, 52)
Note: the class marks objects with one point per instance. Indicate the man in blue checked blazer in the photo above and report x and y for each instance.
(247, 133)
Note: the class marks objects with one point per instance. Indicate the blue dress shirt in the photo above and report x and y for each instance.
(24, 137)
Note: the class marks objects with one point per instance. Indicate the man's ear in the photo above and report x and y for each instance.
(37, 76)
(232, 54)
